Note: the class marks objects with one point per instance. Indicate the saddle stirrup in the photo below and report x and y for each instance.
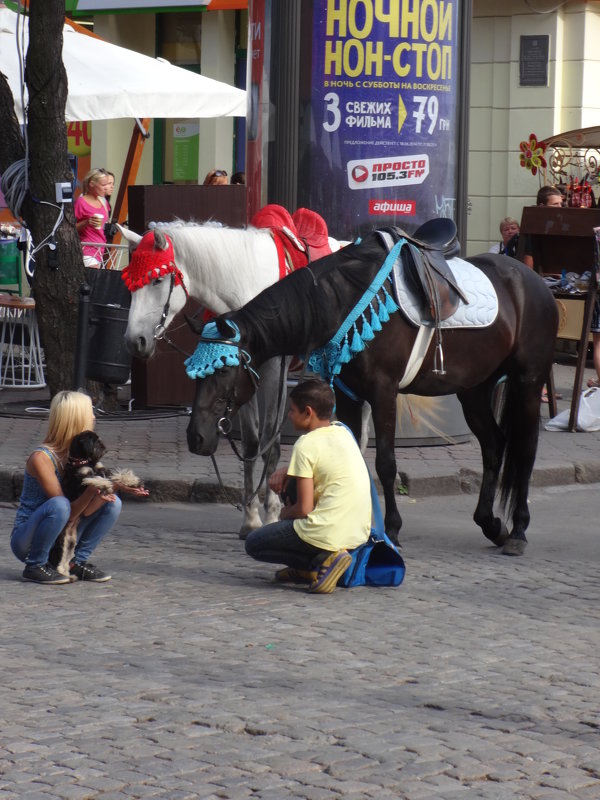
(438, 357)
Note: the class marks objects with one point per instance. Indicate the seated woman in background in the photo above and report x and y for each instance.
(91, 214)
(216, 177)
(509, 231)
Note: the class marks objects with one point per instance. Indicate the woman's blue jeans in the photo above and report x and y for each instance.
(32, 540)
(278, 543)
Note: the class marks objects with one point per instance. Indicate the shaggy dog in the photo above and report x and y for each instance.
(83, 469)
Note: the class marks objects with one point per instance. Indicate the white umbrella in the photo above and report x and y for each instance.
(110, 82)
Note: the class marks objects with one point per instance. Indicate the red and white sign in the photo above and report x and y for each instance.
(369, 173)
(404, 208)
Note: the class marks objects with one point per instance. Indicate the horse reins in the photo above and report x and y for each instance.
(224, 424)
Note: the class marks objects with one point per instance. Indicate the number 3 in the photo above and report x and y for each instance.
(333, 108)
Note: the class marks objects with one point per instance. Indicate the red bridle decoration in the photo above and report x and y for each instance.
(148, 263)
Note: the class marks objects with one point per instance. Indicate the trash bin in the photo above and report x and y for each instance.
(108, 358)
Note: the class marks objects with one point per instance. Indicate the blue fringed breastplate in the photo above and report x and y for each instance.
(378, 304)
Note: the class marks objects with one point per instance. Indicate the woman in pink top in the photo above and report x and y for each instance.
(91, 213)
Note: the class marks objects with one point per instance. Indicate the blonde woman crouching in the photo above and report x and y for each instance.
(43, 509)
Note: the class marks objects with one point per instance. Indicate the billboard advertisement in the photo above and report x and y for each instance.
(379, 126)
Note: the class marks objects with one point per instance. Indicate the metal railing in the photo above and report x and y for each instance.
(114, 256)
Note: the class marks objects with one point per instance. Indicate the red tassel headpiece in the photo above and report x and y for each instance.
(148, 263)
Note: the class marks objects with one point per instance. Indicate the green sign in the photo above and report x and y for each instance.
(186, 141)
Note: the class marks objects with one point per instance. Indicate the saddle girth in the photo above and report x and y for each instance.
(426, 269)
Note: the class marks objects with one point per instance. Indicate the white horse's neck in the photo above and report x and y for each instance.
(224, 268)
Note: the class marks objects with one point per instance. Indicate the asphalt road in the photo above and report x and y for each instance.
(192, 675)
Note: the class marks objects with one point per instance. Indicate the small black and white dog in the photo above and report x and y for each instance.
(84, 468)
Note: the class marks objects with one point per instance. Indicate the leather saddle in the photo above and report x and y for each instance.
(426, 269)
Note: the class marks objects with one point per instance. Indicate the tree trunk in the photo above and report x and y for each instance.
(55, 287)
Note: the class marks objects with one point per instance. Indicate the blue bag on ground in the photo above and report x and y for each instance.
(377, 562)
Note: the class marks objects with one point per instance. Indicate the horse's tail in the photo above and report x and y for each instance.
(515, 439)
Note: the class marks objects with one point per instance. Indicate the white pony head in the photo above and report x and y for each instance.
(157, 285)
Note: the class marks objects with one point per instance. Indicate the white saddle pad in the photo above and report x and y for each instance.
(480, 312)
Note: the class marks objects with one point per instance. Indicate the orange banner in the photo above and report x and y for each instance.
(216, 5)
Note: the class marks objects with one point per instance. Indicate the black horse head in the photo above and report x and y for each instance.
(225, 380)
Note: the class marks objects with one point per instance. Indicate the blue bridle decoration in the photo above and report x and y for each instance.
(209, 356)
(328, 361)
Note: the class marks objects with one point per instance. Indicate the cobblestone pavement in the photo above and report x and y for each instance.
(192, 675)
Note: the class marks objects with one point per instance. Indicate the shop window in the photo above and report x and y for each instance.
(179, 37)
(179, 42)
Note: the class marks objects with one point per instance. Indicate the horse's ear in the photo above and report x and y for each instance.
(160, 240)
(131, 237)
(228, 329)
(195, 324)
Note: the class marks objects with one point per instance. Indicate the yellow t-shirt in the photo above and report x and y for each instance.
(341, 517)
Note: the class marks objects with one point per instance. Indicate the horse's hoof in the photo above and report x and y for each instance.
(243, 535)
(514, 547)
(500, 538)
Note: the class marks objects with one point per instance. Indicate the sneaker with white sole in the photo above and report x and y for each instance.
(330, 571)
(88, 572)
(292, 575)
(45, 574)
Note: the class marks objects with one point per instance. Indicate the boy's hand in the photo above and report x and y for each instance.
(279, 480)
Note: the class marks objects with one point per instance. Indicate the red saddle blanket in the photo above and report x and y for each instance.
(299, 238)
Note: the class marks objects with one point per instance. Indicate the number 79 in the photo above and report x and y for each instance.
(432, 105)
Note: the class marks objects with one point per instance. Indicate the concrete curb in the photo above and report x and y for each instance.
(444, 484)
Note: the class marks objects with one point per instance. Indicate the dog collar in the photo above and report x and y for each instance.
(78, 462)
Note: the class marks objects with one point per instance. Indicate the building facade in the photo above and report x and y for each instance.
(510, 100)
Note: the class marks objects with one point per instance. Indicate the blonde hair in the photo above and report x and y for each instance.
(507, 221)
(216, 177)
(93, 176)
(70, 413)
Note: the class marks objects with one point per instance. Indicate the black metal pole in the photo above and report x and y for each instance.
(81, 352)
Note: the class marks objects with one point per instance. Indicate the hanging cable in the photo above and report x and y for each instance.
(14, 186)
(547, 11)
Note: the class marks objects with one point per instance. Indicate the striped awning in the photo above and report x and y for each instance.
(79, 7)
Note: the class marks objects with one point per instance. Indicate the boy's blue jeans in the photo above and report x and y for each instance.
(278, 543)
(32, 540)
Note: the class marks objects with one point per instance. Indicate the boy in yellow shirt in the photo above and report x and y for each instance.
(332, 509)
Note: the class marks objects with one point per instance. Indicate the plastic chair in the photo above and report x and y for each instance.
(21, 354)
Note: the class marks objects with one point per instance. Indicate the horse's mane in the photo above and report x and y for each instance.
(212, 253)
(305, 309)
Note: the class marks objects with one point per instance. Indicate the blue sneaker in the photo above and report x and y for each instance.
(330, 571)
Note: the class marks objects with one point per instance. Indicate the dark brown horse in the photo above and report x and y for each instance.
(305, 311)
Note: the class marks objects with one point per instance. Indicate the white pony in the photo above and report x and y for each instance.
(223, 268)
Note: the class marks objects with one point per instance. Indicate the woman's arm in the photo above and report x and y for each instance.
(40, 466)
(305, 501)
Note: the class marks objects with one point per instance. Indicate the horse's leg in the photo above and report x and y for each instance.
(523, 420)
(477, 408)
(273, 405)
(272, 504)
(383, 410)
(248, 417)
